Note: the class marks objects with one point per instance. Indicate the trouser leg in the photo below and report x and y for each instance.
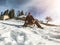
(38, 25)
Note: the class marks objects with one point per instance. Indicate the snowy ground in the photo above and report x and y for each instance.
(12, 33)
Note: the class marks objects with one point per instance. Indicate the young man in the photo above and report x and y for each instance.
(30, 20)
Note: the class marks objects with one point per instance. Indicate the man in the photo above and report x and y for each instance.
(30, 21)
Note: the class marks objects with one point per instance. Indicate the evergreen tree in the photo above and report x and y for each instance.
(6, 12)
(22, 13)
(1, 13)
(18, 14)
(11, 13)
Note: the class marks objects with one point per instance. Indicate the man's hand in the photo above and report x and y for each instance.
(26, 21)
(33, 21)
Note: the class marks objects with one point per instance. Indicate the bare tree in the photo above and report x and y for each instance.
(48, 19)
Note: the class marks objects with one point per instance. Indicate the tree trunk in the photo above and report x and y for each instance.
(47, 22)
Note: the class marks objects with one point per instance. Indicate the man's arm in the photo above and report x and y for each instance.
(33, 20)
(32, 17)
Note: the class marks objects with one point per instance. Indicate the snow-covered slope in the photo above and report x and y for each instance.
(12, 33)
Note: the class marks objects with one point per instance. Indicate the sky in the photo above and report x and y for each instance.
(38, 8)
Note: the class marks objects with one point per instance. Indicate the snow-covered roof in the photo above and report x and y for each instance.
(21, 16)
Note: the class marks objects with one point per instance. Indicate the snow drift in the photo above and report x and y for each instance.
(12, 33)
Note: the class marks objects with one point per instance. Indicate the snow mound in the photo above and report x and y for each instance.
(12, 33)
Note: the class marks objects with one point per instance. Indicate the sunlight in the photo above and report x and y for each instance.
(55, 11)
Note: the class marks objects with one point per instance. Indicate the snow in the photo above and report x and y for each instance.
(12, 33)
(22, 16)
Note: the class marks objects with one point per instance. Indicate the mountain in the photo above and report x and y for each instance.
(12, 33)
